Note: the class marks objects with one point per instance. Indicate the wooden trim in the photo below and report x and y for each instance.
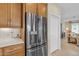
(37, 9)
(53, 52)
(21, 15)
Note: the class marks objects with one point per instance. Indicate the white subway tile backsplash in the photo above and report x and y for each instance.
(9, 32)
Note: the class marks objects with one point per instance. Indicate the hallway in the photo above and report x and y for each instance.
(68, 49)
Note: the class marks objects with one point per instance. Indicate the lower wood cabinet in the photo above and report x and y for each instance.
(15, 53)
(1, 52)
(13, 50)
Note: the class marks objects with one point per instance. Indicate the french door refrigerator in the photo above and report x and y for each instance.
(36, 35)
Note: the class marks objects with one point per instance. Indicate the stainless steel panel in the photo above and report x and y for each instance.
(31, 30)
(28, 29)
(42, 29)
(45, 50)
(35, 51)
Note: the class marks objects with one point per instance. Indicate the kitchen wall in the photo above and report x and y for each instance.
(54, 9)
(69, 10)
(54, 19)
(9, 32)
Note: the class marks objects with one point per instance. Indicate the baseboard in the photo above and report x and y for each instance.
(49, 54)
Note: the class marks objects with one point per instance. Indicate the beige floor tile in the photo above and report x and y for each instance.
(68, 49)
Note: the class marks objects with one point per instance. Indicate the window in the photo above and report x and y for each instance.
(75, 27)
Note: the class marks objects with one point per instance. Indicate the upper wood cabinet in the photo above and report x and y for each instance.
(10, 15)
(42, 9)
(3, 15)
(15, 15)
(31, 7)
(39, 8)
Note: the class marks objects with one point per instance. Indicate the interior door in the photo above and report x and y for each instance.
(53, 33)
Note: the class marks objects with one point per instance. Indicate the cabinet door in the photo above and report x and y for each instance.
(19, 52)
(42, 9)
(9, 14)
(16, 15)
(31, 7)
(1, 53)
(14, 50)
(3, 15)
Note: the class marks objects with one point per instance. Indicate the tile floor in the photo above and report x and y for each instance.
(68, 49)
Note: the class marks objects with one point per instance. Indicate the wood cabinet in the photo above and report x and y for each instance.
(3, 15)
(10, 15)
(15, 50)
(42, 9)
(1, 52)
(15, 15)
(31, 7)
(15, 53)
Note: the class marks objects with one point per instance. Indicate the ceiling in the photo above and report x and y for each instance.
(69, 10)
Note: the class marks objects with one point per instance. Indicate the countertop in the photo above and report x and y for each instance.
(4, 42)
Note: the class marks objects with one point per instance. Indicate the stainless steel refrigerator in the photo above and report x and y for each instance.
(36, 35)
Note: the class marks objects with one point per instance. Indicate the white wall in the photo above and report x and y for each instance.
(69, 10)
(54, 9)
(54, 41)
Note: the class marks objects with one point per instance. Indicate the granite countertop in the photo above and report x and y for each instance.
(9, 41)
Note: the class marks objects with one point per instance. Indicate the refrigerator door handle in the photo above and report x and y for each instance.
(33, 32)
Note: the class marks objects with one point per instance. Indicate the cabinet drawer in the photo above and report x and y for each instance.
(19, 52)
(13, 47)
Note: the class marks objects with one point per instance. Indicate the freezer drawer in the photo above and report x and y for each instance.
(45, 50)
(38, 51)
(35, 52)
